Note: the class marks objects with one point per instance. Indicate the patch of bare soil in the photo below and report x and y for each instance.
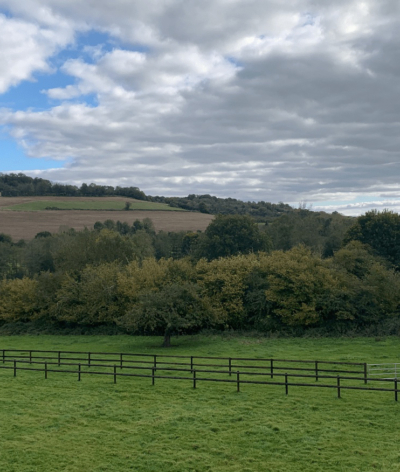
(26, 224)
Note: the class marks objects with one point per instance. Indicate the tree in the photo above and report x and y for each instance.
(381, 230)
(151, 275)
(369, 291)
(5, 238)
(223, 283)
(10, 258)
(297, 282)
(38, 254)
(43, 234)
(356, 258)
(17, 299)
(175, 308)
(92, 299)
(321, 232)
(74, 252)
(229, 235)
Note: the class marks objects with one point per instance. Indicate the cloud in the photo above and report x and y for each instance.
(355, 209)
(25, 48)
(260, 100)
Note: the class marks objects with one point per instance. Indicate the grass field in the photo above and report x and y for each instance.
(99, 204)
(60, 424)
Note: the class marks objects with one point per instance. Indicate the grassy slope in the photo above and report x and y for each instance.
(63, 425)
(41, 205)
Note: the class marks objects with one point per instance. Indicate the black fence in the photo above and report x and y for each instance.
(239, 371)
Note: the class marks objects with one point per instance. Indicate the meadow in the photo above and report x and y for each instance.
(89, 204)
(60, 424)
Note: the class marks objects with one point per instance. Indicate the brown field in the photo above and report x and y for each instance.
(26, 224)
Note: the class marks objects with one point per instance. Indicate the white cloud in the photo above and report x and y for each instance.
(25, 48)
(307, 91)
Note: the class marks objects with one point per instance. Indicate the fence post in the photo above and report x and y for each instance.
(115, 374)
(286, 384)
(338, 386)
(194, 379)
(155, 361)
(89, 359)
(120, 356)
(59, 358)
(230, 366)
(4, 356)
(272, 368)
(30, 357)
(238, 381)
(365, 373)
(316, 371)
(15, 368)
(79, 372)
(45, 370)
(191, 362)
(395, 389)
(152, 375)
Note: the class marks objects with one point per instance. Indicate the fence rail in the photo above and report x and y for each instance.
(388, 371)
(295, 373)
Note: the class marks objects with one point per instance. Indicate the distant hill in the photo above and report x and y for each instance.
(21, 185)
(31, 205)
(261, 211)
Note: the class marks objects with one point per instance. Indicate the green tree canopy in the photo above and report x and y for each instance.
(229, 235)
(297, 281)
(381, 230)
(174, 309)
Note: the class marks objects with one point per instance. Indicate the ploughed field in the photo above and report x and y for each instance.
(60, 424)
(24, 217)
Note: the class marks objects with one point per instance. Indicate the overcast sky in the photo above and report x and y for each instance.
(293, 101)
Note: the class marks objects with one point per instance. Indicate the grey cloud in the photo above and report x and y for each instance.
(234, 98)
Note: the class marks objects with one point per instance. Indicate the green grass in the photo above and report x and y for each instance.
(41, 205)
(60, 424)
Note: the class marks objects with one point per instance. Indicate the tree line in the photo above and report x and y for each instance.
(21, 185)
(229, 277)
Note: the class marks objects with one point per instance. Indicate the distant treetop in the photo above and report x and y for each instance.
(21, 185)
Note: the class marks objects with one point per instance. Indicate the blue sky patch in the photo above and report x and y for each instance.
(12, 158)
(28, 94)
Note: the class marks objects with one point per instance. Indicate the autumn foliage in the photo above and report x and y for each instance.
(103, 277)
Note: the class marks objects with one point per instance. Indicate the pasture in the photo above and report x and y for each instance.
(24, 217)
(81, 203)
(60, 424)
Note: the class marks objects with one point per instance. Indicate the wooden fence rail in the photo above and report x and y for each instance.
(271, 365)
(157, 369)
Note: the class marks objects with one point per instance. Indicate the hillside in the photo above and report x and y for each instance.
(20, 185)
(30, 205)
(80, 203)
(24, 217)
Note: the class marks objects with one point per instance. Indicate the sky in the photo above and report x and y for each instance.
(295, 101)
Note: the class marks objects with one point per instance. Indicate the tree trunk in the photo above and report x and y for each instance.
(167, 340)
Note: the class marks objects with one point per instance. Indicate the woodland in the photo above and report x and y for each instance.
(302, 272)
